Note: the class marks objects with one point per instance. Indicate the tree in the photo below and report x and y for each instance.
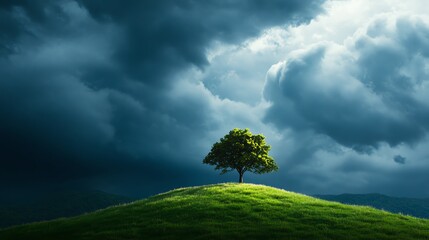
(242, 151)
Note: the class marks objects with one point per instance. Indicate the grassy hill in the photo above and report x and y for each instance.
(228, 211)
(418, 207)
(55, 205)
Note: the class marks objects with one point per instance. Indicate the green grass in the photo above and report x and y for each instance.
(228, 211)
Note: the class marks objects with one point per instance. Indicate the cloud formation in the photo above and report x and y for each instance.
(96, 91)
(367, 91)
(399, 159)
(159, 38)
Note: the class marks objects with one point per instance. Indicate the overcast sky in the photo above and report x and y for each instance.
(128, 97)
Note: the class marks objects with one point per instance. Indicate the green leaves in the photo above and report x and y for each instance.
(242, 151)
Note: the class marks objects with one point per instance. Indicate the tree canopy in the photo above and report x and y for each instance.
(241, 151)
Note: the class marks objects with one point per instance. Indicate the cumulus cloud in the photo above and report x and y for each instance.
(361, 93)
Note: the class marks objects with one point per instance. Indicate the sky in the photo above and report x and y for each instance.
(129, 97)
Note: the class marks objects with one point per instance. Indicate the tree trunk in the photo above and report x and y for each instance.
(241, 178)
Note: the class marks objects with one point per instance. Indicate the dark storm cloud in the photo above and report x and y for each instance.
(368, 91)
(16, 16)
(86, 87)
(50, 127)
(399, 159)
(161, 37)
(33, 9)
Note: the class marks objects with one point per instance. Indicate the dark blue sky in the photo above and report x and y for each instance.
(129, 97)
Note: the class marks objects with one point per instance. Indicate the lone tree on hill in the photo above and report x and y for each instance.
(242, 151)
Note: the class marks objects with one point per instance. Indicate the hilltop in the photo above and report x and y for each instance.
(229, 211)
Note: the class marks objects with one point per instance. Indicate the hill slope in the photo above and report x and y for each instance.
(418, 207)
(60, 204)
(229, 211)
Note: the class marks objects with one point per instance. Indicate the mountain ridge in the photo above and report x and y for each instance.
(417, 207)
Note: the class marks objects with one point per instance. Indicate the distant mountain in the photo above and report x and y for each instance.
(62, 204)
(418, 207)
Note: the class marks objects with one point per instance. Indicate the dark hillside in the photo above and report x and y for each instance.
(62, 204)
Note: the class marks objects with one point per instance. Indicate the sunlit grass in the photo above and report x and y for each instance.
(229, 211)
